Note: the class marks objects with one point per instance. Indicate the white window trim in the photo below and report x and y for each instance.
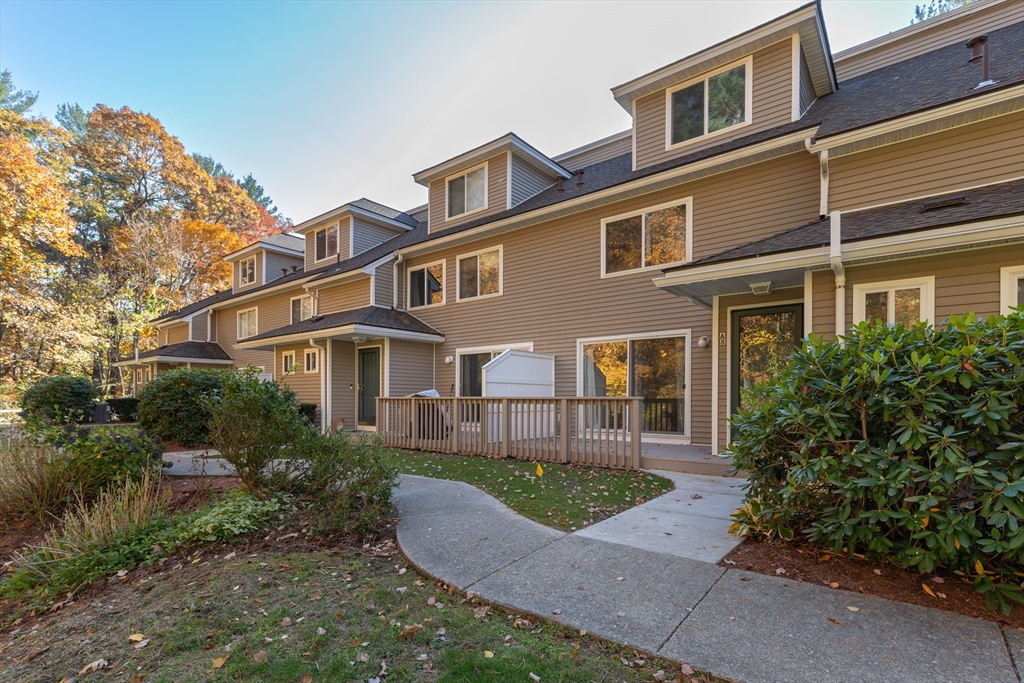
(238, 322)
(1008, 277)
(927, 285)
(486, 193)
(650, 437)
(424, 266)
(241, 271)
(748, 105)
(688, 201)
(471, 350)
(286, 366)
(312, 306)
(315, 353)
(501, 274)
(337, 237)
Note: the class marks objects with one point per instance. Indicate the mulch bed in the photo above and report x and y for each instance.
(804, 562)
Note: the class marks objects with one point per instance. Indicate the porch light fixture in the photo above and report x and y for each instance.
(448, 359)
(761, 288)
(358, 340)
(703, 341)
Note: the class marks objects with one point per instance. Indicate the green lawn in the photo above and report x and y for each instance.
(317, 616)
(564, 497)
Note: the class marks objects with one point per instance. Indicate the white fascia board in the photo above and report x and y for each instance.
(342, 330)
(372, 331)
(624, 94)
(179, 359)
(616, 137)
(485, 151)
(612, 193)
(132, 363)
(846, 143)
(317, 221)
(258, 246)
(372, 267)
(805, 258)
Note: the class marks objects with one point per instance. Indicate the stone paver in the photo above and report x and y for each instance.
(581, 578)
(753, 627)
(1015, 643)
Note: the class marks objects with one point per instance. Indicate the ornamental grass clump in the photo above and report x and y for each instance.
(902, 443)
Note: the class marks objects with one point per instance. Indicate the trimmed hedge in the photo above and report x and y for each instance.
(903, 443)
(62, 399)
(172, 405)
(124, 408)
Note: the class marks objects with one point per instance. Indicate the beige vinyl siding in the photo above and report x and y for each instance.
(807, 94)
(200, 323)
(344, 242)
(343, 377)
(382, 344)
(823, 303)
(497, 195)
(273, 312)
(306, 385)
(177, 334)
(978, 154)
(960, 30)
(616, 148)
(236, 283)
(772, 106)
(526, 180)
(384, 284)
(343, 297)
(275, 262)
(367, 235)
(412, 367)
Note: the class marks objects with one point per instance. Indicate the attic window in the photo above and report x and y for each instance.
(940, 202)
(247, 271)
(326, 243)
(714, 103)
(467, 192)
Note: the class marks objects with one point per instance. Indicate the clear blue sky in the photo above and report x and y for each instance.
(325, 102)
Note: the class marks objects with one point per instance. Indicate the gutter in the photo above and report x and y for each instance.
(394, 282)
(836, 261)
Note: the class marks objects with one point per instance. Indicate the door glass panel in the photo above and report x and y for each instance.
(659, 376)
(369, 385)
(908, 306)
(471, 375)
(764, 340)
(876, 307)
(605, 369)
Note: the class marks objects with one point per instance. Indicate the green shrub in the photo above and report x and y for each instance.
(61, 399)
(235, 514)
(308, 411)
(124, 408)
(173, 405)
(903, 443)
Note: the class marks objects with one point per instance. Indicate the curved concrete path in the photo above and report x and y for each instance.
(732, 623)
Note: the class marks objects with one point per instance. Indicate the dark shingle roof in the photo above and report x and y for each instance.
(368, 315)
(993, 201)
(287, 240)
(189, 349)
(385, 211)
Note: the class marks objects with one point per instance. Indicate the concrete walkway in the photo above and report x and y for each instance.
(735, 624)
(192, 463)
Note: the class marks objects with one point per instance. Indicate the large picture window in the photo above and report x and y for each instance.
(302, 308)
(247, 271)
(479, 274)
(326, 242)
(467, 192)
(651, 367)
(904, 301)
(715, 103)
(247, 323)
(654, 237)
(426, 285)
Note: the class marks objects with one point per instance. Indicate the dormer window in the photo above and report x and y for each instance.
(247, 271)
(326, 240)
(467, 192)
(714, 103)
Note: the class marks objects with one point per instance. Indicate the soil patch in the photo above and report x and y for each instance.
(191, 492)
(18, 534)
(807, 562)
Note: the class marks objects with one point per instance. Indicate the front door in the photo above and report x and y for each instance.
(369, 385)
(762, 339)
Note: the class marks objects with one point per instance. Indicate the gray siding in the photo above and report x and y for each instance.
(367, 235)
(236, 282)
(384, 284)
(807, 94)
(609, 150)
(412, 367)
(497, 195)
(343, 376)
(200, 323)
(344, 237)
(275, 262)
(526, 181)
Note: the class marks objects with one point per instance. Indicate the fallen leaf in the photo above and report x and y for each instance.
(824, 558)
(659, 676)
(780, 571)
(622, 614)
(35, 653)
(260, 657)
(928, 590)
(979, 567)
(138, 678)
(410, 630)
(488, 654)
(219, 662)
(481, 612)
(431, 600)
(136, 637)
(834, 584)
(583, 632)
(362, 657)
(836, 621)
(307, 678)
(556, 612)
(94, 667)
(320, 630)
(534, 677)
(853, 609)
(877, 571)
(402, 571)
(686, 670)
(521, 623)
(286, 622)
(141, 644)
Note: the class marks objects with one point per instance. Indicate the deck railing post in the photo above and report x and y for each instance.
(456, 426)
(506, 427)
(415, 424)
(563, 430)
(634, 431)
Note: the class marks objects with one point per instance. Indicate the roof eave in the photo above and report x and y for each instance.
(489, 149)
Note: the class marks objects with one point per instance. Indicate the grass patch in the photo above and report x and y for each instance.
(564, 497)
(334, 616)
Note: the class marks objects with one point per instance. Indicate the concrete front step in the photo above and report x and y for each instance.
(690, 463)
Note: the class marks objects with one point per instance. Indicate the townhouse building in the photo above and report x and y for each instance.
(767, 189)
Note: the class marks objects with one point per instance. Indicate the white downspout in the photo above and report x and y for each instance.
(394, 281)
(325, 410)
(836, 259)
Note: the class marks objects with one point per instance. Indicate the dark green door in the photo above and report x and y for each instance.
(369, 385)
(762, 339)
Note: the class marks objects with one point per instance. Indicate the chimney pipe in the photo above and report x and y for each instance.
(579, 178)
(558, 184)
(284, 271)
(294, 268)
(979, 52)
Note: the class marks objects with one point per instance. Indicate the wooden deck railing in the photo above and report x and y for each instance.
(600, 432)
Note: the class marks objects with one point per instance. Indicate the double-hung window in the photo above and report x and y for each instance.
(287, 362)
(302, 308)
(312, 358)
(653, 367)
(654, 237)
(714, 103)
(467, 192)
(426, 285)
(247, 323)
(903, 301)
(479, 274)
(326, 242)
(247, 271)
